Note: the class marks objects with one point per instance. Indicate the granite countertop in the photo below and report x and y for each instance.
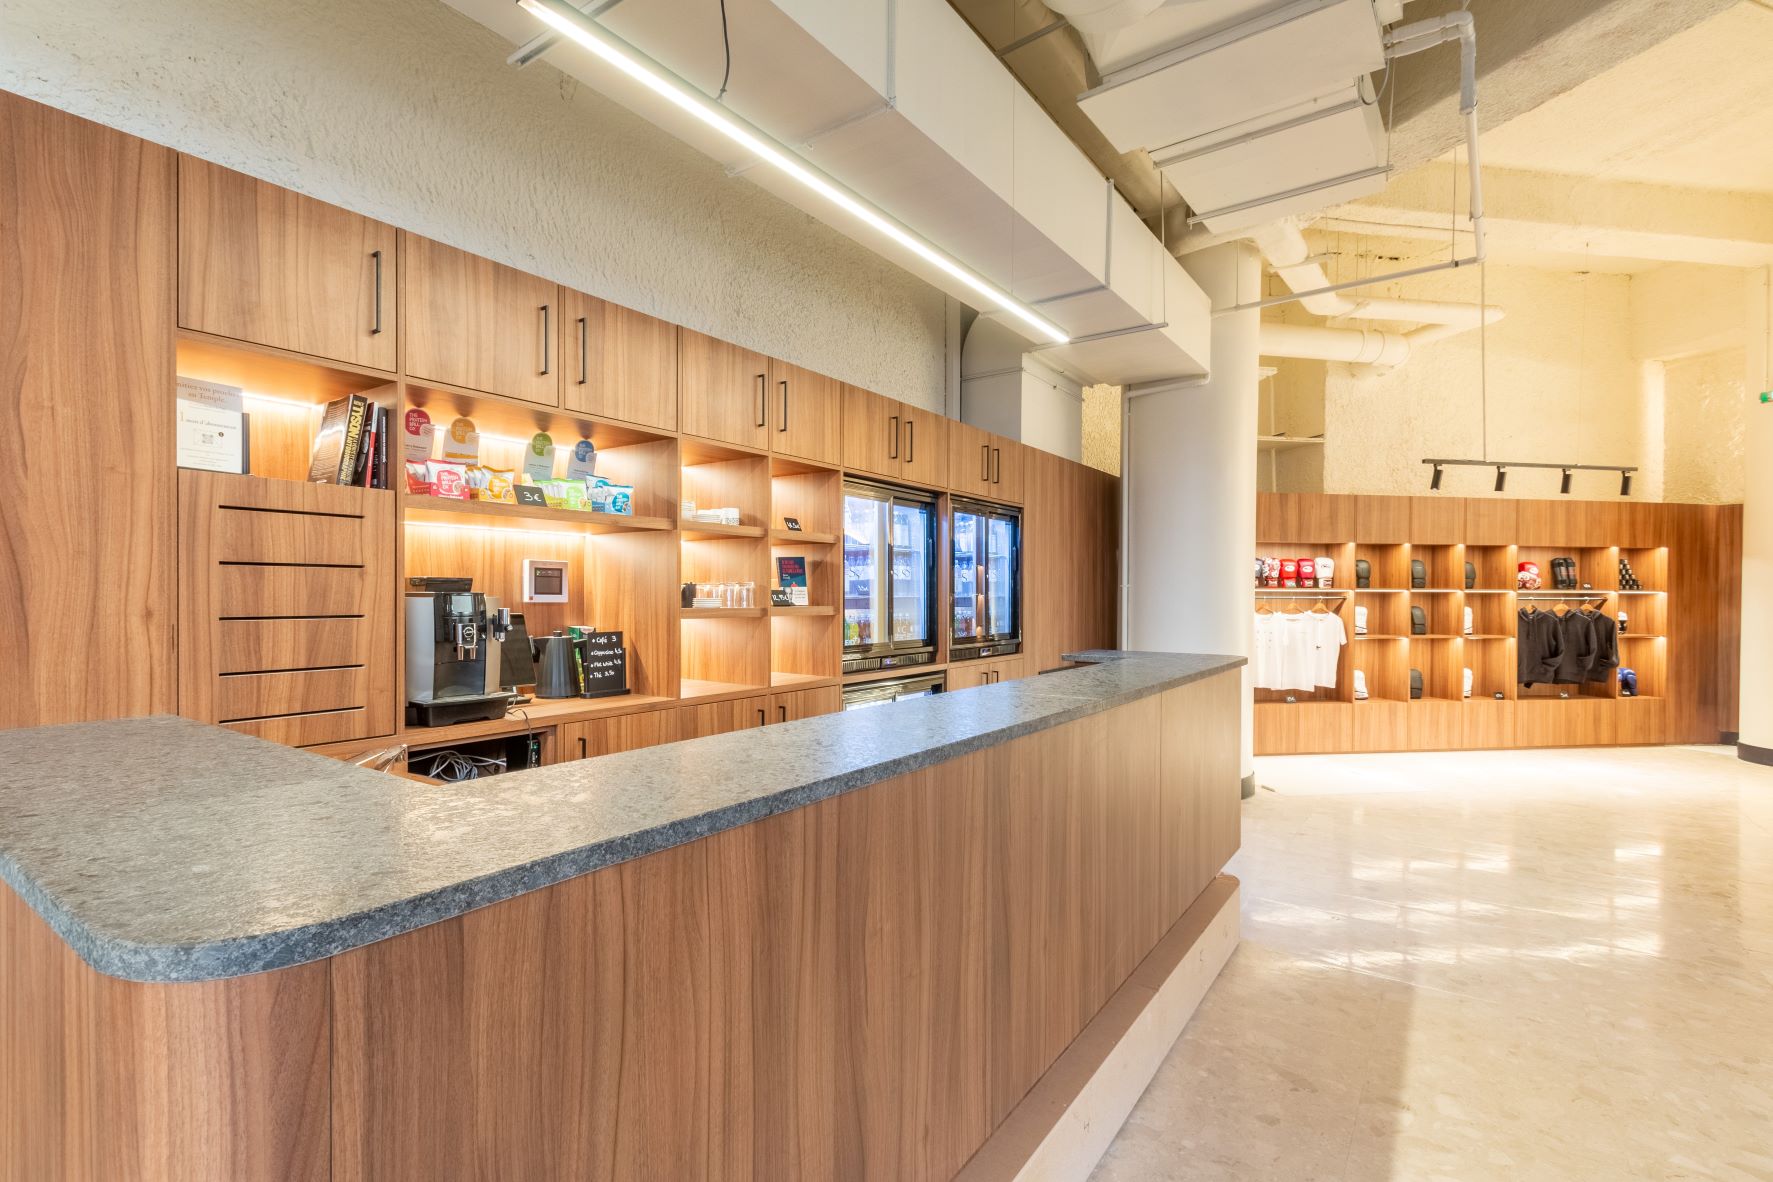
(167, 850)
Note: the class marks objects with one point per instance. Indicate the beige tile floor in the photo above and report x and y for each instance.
(1490, 965)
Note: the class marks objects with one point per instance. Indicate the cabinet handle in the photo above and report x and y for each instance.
(910, 441)
(546, 356)
(784, 424)
(761, 719)
(584, 349)
(784, 712)
(582, 751)
(761, 397)
(985, 462)
(377, 256)
(997, 465)
(894, 454)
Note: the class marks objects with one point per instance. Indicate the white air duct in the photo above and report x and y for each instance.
(1097, 20)
(1288, 254)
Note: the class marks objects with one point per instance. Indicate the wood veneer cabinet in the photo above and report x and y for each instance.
(894, 439)
(805, 414)
(981, 464)
(790, 705)
(967, 674)
(1684, 621)
(617, 363)
(260, 263)
(87, 255)
(481, 325)
(723, 391)
(607, 736)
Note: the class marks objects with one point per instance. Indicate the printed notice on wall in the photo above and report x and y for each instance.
(211, 427)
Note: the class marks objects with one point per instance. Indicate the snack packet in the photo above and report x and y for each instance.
(418, 478)
(448, 479)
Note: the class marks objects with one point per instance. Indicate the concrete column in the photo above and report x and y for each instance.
(1189, 476)
(1756, 726)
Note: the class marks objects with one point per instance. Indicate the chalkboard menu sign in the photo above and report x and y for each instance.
(605, 661)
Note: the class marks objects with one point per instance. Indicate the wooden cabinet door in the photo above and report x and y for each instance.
(805, 414)
(969, 459)
(790, 705)
(479, 324)
(1007, 466)
(262, 264)
(722, 391)
(924, 447)
(606, 736)
(617, 363)
(872, 433)
(1009, 669)
(967, 674)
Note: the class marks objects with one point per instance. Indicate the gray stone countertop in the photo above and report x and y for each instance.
(166, 850)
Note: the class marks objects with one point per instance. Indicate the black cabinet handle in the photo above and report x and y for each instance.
(783, 425)
(761, 380)
(784, 712)
(547, 360)
(582, 751)
(997, 465)
(584, 349)
(894, 454)
(985, 462)
(761, 719)
(910, 441)
(377, 256)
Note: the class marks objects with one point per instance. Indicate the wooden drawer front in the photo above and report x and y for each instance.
(606, 736)
(259, 646)
(1376, 725)
(1437, 726)
(243, 696)
(286, 607)
(1488, 723)
(251, 591)
(1566, 722)
(1641, 720)
(308, 730)
(303, 539)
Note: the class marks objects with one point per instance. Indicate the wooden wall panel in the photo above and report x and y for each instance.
(1437, 520)
(222, 1081)
(1382, 520)
(87, 315)
(1492, 521)
(859, 989)
(1071, 564)
(1305, 517)
(1727, 673)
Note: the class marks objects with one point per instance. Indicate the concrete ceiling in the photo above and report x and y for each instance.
(1692, 112)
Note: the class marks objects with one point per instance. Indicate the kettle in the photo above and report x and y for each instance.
(556, 676)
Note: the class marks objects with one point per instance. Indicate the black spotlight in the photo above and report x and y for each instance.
(1624, 483)
(1501, 477)
(1434, 481)
(1564, 484)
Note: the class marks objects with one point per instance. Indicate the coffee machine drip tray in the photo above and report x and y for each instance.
(462, 708)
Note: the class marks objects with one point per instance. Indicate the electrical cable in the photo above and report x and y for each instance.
(726, 44)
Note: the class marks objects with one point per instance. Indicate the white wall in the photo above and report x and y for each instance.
(405, 111)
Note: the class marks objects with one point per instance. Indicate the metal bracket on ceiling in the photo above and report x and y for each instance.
(1031, 38)
(541, 43)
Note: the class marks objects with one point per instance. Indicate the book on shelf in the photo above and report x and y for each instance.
(338, 446)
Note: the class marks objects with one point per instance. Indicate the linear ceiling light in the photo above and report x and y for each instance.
(572, 23)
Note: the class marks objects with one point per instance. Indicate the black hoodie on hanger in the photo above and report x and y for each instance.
(1539, 646)
(1606, 646)
(1577, 661)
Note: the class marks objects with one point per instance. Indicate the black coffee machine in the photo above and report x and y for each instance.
(453, 638)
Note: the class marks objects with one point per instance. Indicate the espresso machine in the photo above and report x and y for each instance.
(453, 658)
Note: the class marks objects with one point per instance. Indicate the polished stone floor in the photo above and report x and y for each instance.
(1489, 965)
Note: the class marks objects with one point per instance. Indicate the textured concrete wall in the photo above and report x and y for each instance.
(405, 111)
(1704, 427)
(1102, 428)
(1563, 386)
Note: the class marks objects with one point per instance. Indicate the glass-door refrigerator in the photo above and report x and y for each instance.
(987, 561)
(889, 577)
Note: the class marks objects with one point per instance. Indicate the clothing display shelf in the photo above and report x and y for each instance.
(1665, 553)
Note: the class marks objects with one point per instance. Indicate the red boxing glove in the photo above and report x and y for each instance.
(1289, 572)
(1307, 573)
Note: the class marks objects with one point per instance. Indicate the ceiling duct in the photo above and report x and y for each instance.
(1268, 113)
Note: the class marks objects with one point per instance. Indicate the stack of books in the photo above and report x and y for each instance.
(352, 444)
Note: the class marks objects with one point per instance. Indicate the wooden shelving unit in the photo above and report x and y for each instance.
(1676, 607)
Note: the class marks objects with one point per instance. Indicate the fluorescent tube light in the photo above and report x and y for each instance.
(572, 23)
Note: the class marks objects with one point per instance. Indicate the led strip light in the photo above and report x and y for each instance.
(578, 27)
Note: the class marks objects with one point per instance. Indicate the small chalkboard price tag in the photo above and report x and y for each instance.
(606, 665)
(792, 523)
(529, 494)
